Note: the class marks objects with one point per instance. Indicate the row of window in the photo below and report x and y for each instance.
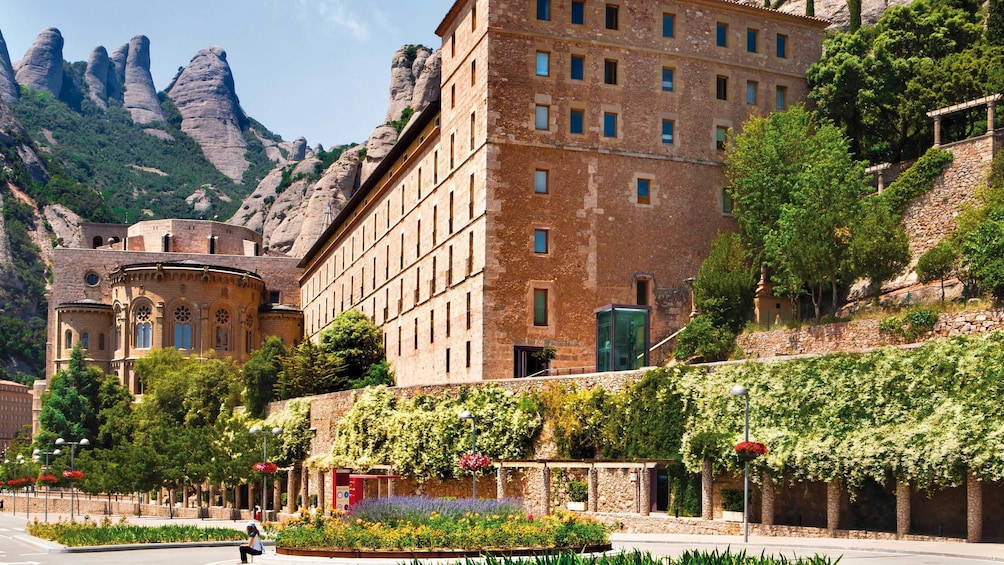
(143, 326)
(612, 21)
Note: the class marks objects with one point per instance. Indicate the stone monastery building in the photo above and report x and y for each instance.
(199, 286)
(573, 162)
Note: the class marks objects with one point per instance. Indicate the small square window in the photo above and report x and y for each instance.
(668, 25)
(613, 16)
(540, 120)
(751, 87)
(781, 47)
(609, 124)
(751, 40)
(578, 13)
(781, 97)
(539, 307)
(642, 191)
(667, 131)
(720, 133)
(609, 71)
(576, 122)
(540, 241)
(578, 67)
(540, 182)
(543, 9)
(667, 79)
(722, 87)
(721, 35)
(543, 64)
(726, 201)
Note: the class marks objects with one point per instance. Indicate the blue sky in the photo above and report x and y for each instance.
(316, 68)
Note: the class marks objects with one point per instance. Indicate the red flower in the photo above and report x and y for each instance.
(73, 475)
(47, 479)
(750, 450)
(474, 462)
(266, 467)
(17, 483)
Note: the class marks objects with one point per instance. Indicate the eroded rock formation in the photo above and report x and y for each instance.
(96, 76)
(9, 91)
(139, 95)
(42, 66)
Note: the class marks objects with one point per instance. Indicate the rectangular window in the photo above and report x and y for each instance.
(540, 241)
(668, 25)
(470, 252)
(540, 117)
(544, 9)
(721, 34)
(781, 46)
(540, 181)
(432, 326)
(449, 221)
(726, 201)
(447, 319)
(468, 315)
(667, 79)
(720, 133)
(449, 269)
(613, 17)
(543, 64)
(447, 359)
(435, 224)
(468, 354)
(609, 124)
(473, 128)
(578, 12)
(722, 87)
(781, 97)
(453, 96)
(751, 40)
(435, 173)
(474, 16)
(416, 332)
(578, 67)
(641, 292)
(452, 147)
(667, 131)
(539, 307)
(642, 191)
(609, 72)
(751, 87)
(474, 72)
(470, 199)
(576, 122)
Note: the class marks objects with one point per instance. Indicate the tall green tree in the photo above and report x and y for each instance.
(308, 369)
(70, 407)
(879, 248)
(354, 338)
(725, 283)
(995, 22)
(261, 372)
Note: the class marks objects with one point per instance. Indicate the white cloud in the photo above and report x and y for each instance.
(338, 13)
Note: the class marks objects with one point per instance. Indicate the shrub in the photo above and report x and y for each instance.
(578, 491)
(732, 500)
(938, 263)
(914, 323)
(916, 180)
(86, 533)
(700, 339)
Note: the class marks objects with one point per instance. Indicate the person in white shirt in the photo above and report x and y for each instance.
(254, 545)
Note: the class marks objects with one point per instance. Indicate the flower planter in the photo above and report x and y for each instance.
(576, 506)
(732, 516)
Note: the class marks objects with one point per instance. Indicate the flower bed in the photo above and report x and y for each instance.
(89, 533)
(438, 526)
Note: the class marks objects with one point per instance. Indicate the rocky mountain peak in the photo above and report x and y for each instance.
(96, 76)
(42, 66)
(406, 66)
(210, 110)
(9, 91)
(139, 95)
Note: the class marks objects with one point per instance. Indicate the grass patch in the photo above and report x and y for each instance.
(89, 533)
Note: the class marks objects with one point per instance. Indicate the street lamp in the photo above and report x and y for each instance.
(84, 442)
(466, 415)
(264, 457)
(19, 461)
(37, 453)
(740, 390)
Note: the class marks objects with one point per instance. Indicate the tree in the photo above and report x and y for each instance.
(854, 14)
(261, 372)
(939, 263)
(354, 338)
(995, 22)
(725, 283)
(701, 339)
(70, 407)
(983, 254)
(880, 248)
(307, 369)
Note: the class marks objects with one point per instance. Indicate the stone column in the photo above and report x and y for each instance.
(937, 131)
(200, 491)
(276, 495)
(305, 487)
(321, 488)
(707, 491)
(500, 476)
(292, 480)
(644, 483)
(545, 478)
(833, 505)
(974, 508)
(390, 487)
(591, 480)
(902, 508)
(238, 502)
(990, 116)
(767, 501)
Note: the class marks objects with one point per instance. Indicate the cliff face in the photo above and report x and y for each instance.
(9, 91)
(42, 66)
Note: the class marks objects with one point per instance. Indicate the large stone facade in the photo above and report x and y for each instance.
(571, 164)
(15, 410)
(198, 286)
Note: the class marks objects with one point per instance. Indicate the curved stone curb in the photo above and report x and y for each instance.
(436, 553)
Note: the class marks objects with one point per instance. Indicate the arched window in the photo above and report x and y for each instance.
(144, 327)
(222, 330)
(69, 340)
(248, 332)
(183, 327)
(97, 242)
(101, 342)
(85, 340)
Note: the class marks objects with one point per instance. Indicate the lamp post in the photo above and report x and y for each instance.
(84, 442)
(46, 454)
(19, 460)
(466, 415)
(740, 390)
(264, 457)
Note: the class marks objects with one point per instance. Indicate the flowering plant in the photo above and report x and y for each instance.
(750, 450)
(47, 479)
(474, 462)
(73, 475)
(266, 467)
(16, 483)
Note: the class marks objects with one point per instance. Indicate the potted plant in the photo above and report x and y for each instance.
(732, 505)
(578, 494)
